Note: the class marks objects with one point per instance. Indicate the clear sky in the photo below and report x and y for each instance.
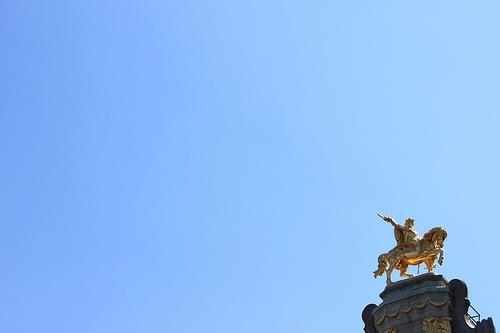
(217, 166)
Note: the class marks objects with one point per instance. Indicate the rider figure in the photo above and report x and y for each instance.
(407, 238)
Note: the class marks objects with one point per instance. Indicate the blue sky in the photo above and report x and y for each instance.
(217, 166)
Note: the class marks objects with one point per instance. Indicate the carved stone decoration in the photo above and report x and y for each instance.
(406, 303)
(368, 318)
(461, 321)
(436, 325)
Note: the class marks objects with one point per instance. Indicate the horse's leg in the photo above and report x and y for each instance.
(441, 257)
(382, 265)
(388, 272)
(429, 264)
(403, 273)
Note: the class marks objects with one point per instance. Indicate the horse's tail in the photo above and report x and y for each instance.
(382, 265)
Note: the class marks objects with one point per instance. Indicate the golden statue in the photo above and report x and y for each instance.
(411, 249)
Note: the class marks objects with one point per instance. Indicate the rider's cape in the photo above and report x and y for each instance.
(400, 236)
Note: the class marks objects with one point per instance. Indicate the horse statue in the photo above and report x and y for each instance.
(411, 249)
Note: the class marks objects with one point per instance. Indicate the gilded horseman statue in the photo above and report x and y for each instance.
(411, 249)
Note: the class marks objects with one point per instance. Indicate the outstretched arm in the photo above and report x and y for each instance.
(388, 219)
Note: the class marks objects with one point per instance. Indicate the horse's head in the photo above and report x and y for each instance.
(436, 236)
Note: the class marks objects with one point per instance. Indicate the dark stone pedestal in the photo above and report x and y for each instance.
(424, 304)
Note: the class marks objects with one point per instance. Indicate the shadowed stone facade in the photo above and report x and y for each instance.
(424, 304)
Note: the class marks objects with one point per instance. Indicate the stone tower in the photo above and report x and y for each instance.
(424, 304)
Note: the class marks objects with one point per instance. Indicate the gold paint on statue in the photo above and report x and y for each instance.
(436, 325)
(411, 249)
